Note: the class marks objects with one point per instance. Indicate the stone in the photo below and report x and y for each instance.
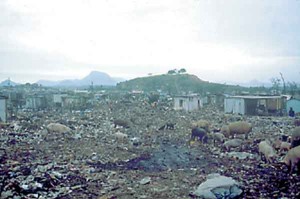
(241, 155)
(145, 181)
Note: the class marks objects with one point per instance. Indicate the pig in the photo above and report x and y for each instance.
(217, 137)
(239, 127)
(225, 130)
(285, 146)
(57, 127)
(120, 136)
(277, 144)
(204, 124)
(170, 125)
(200, 133)
(162, 128)
(296, 137)
(265, 149)
(292, 158)
(122, 123)
(232, 143)
(284, 138)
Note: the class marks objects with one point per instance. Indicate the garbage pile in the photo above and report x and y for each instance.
(132, 149)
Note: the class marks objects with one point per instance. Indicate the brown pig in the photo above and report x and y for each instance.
(234, 128)
(292, 158)
(265, 148)
(217, 137)
(122, 123)
(120, 136)
(57, 127)
(204, 124)
(285, 146)
(277, 144)
(296, 137)
(232, 143)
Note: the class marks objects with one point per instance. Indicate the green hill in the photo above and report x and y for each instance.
(173, 84)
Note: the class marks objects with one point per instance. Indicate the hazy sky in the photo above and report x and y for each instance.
(217, 40)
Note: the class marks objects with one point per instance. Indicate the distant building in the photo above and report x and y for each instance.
(188, 102)
(255, 105)
(58, 99)
(36, 102)
(3, 108)
(213, 99)
(71, 101)
(294, 104)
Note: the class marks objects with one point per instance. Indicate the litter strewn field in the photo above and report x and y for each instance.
(94, 158)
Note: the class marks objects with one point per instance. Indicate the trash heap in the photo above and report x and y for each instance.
(98, 157)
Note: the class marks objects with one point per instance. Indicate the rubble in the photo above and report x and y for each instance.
(95, 158)
(241, 155)
(145, 181)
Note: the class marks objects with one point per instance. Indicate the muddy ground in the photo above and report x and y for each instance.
(90, 162)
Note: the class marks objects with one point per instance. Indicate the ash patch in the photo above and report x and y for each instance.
(165, 158)
(172, 157)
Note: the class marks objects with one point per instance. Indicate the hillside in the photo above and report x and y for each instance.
(8, 82)
(173, 84)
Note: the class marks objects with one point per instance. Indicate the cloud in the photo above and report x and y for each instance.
(212, 39)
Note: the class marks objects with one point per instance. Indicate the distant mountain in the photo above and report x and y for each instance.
(96, 78)
(252, 83)
(173, 84)
(119, 79)
(8, 82)
(47, 83)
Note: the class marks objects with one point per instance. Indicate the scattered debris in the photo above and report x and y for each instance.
(217, 187)
(95, 155)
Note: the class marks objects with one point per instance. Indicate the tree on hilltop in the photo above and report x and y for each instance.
(182, 71)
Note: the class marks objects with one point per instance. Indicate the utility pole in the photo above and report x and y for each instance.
(284, 87)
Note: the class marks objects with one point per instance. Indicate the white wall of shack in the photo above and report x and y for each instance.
(58, 98)
(3, 110)
(295, 104)
(235, 106)
(31, 103)
(188, 104)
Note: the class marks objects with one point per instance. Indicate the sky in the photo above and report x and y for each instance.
(221, 41)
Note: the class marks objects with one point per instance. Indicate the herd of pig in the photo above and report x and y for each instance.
(266, 148)
(232, 135)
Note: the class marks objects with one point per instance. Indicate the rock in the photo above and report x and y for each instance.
(145, 181)
(217, 186)
(241, 155)
(57, 174)
(7, 194)
(135, 141)
(77, 136)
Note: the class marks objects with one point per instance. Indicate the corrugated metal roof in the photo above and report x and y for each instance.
(186, 96)
(255, 97)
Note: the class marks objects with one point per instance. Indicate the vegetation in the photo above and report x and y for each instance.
(175, 84)
(179, 82)
(280, 86)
